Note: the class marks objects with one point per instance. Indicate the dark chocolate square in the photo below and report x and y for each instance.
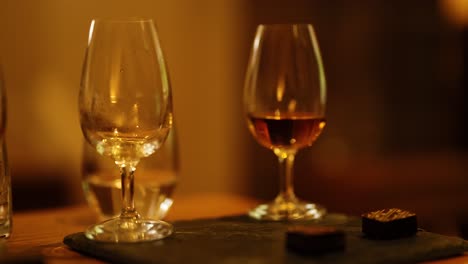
(315, 240)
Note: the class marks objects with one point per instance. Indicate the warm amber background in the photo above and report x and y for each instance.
(396, 133)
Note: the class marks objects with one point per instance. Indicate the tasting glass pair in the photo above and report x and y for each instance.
(126, 110)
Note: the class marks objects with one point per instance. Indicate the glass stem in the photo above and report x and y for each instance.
(286, 173)
(128, 204)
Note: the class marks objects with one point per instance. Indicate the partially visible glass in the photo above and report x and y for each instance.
(154, 186)
(5, 184)
(5, 194)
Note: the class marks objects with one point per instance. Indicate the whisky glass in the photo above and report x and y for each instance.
(125, 114)
(284, 102)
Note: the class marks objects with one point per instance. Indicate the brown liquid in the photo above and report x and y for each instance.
(292, 131)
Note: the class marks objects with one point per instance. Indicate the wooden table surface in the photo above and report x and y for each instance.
(37, 235)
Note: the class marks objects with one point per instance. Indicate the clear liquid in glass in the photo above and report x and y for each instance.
(153, 192)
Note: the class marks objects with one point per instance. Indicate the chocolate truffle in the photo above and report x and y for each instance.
(389, 224)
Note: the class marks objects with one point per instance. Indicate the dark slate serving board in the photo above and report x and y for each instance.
(239, 239)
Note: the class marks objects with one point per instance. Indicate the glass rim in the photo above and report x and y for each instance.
(133, 19)
(285, 25)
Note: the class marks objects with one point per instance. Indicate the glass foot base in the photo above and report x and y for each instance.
(129, 230)
(280, 210)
